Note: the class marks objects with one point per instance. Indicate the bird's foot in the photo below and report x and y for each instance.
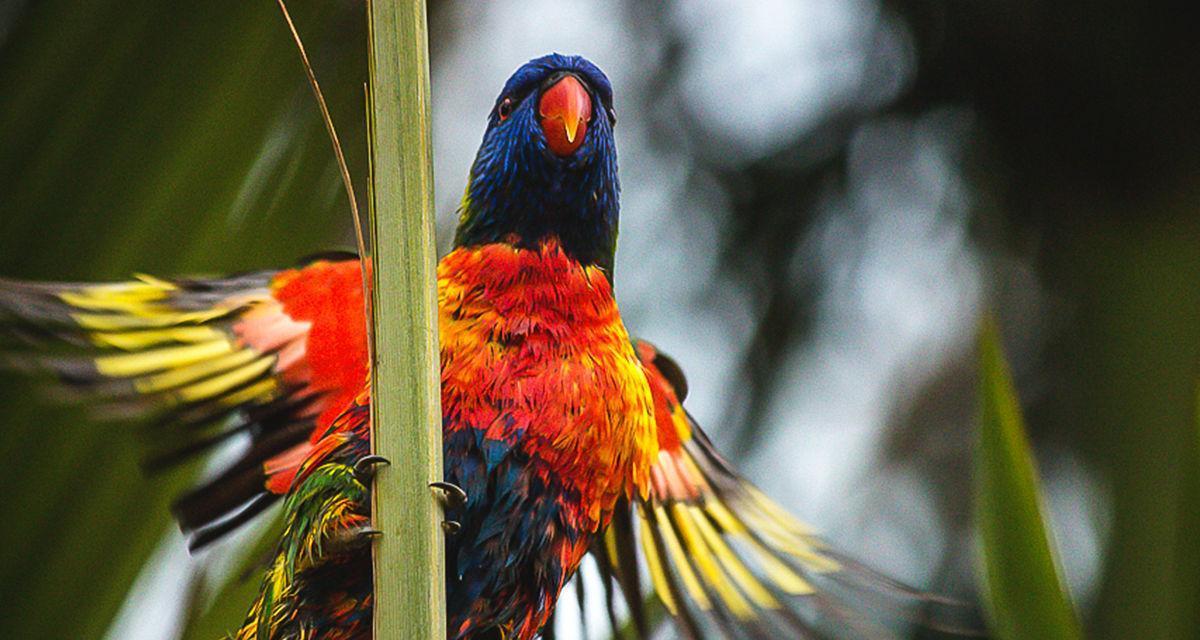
(368, 466)
(367, 533)
(453, 495)
(349, 539)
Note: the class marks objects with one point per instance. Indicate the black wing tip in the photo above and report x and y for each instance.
(673, 373)
(211, 501)
(210, 534)
(332, 255)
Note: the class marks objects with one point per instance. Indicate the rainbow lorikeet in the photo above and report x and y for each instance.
(564, 435)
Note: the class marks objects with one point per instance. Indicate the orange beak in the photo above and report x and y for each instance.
(565, 109)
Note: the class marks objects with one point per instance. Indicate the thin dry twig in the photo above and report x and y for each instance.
(343, 167)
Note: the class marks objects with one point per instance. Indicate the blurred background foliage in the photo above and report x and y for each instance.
(820, 198)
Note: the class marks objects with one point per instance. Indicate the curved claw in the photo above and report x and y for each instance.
(368, 533)
(350, 539)
(451, 527)
(452, 494)
(368, 465)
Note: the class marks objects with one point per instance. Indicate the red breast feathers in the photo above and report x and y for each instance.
(533, 345)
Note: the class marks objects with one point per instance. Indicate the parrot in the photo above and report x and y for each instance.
(563, 435)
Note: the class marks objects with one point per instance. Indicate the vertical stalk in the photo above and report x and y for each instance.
(409, 574)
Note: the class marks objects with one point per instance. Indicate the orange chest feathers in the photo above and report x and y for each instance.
(534, 354)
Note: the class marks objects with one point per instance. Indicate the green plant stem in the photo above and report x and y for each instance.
(409, 589)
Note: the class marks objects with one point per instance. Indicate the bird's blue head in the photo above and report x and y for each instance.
(547, 167)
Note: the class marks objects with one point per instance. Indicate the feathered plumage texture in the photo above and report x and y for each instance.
(520, 193)
(547, 422)
(554, 422)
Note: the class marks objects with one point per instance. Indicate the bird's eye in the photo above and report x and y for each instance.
(504, 109)
(612, 116)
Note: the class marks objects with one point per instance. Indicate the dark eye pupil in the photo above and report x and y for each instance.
(504, 109)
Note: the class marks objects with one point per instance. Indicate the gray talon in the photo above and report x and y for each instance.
(452, 494)
(452, 497)
(367, 465)
(348, 539)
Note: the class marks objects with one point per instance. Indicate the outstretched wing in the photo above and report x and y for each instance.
(274, 355)
(723, 558)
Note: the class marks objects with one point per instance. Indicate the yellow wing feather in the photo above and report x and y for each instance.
(719, 552)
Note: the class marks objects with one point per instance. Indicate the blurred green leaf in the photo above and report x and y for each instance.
(1022, 583)
(1188, 570)
(141, 136)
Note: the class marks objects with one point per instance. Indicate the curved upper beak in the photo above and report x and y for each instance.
(565, 109)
